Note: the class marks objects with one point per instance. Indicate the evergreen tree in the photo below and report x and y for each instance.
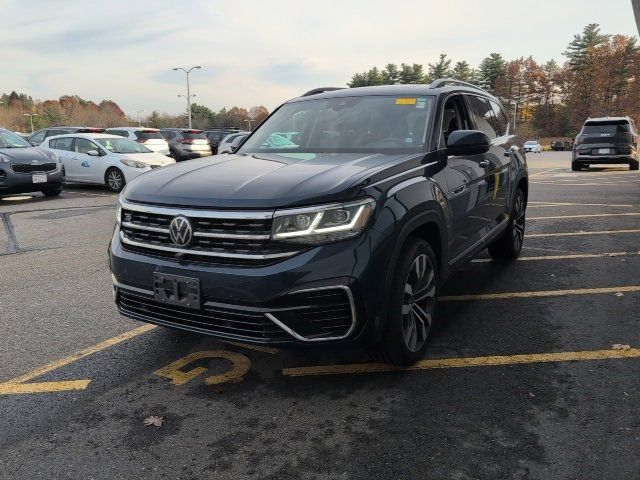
(491, 69)
(440, 69)
(463, 71)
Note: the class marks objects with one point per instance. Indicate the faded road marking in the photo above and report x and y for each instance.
(562, 257)
(19, 385)
(464, 362)
(588, 215)
(539, 293)
(574, 234)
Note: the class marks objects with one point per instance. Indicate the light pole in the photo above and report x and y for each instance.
(139, 112)
(187, 71)
(249, 122)
(30, 115)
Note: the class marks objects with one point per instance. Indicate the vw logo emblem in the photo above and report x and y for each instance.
(181, 231)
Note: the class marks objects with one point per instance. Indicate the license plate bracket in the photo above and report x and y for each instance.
(176, 290)
(604, 151)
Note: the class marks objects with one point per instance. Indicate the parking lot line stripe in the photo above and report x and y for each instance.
(540, 293)
(547, 204)
(49, 367)
(588, 215)
(561, 257)
(544, 171)
(576, 234)
(464, 362)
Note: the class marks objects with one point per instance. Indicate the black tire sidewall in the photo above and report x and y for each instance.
(394, 348)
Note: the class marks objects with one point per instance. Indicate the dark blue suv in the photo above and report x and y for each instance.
(337, 220)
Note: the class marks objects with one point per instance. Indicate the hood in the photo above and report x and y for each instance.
(259, 181)
(26, 155)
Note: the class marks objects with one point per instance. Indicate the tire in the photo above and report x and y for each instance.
(52, 192)
(634, 165)
(412, 308)
(509, 244)
(575, 167)
(173, 154)
(114, 180)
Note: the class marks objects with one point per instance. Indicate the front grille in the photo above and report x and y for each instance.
(240, 324)
(33, 168)
(218, 238)
(316, 314)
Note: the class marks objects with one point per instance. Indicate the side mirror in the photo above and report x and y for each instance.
(467, 142)
(93, 153)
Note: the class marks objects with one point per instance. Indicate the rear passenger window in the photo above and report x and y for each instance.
(501, 119)
(61, 143)
(483, 115)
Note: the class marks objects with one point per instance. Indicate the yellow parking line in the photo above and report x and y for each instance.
(577, 234)
(546, 204)
(540, 293)
(19, 385)
(464, 362)
(627, 214)
(562, 257)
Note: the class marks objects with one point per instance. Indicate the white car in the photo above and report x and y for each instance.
(230, 143)
(532, 146)
(149, 137)
(104, 159)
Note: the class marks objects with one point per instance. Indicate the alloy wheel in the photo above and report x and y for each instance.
(114, 180)
(418, 303)
(518, 222)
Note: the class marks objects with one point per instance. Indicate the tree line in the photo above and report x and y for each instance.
(73, 110)
(600, 77)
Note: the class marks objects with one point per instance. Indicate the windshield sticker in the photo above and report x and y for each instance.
(406, 101)
(421, 102)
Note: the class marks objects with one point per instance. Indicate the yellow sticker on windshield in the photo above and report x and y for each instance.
(406, 101)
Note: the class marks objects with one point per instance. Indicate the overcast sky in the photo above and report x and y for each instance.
(265, 52)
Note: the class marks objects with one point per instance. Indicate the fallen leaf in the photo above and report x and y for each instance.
(619, 294)
(620, 346)
(154, 421)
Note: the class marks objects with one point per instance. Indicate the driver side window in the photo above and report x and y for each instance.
(83, 145)
(454, 117)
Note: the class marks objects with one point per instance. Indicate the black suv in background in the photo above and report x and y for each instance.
(344, 233)
(185, 144)
(39, 135)
(607, 140)
(215, 136)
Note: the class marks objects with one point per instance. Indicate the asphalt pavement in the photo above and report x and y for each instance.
(533, 372)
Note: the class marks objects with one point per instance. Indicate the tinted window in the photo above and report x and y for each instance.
(500, 118)
(122, 133)
(376, 124)
(193, 134)
(168, 134)
(64, 143)
(606, 127)
(482, 114)
(147, 134)
(122, 145)
(83, 145)
(38, 137)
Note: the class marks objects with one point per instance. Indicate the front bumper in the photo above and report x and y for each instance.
(13, 183)
(327, 294)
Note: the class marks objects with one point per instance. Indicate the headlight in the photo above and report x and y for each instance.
(133, 163)
(53, 156)
(326, 223)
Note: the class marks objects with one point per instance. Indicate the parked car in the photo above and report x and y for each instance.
(215, 135)
(345, 237)
(149, 137)
(607, 140)
(25, 169)
(185, 144)
(39, 135)
(532, 146)
(230, 143)
(104, 159)
(560, 146)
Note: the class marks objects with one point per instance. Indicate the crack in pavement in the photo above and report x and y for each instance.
(12, 245)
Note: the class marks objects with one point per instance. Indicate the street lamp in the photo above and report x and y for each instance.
(30, 115)
(139, 112)
(249, 122)
(189, 96)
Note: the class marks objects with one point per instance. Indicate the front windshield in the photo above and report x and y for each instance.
(372, 124)
(122, 145)
(11, 140)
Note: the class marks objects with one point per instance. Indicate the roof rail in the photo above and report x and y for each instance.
(315, 91)
(442, 82)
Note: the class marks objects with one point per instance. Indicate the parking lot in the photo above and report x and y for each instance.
(521, 381)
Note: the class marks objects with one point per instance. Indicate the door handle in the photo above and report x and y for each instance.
(484, 163)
